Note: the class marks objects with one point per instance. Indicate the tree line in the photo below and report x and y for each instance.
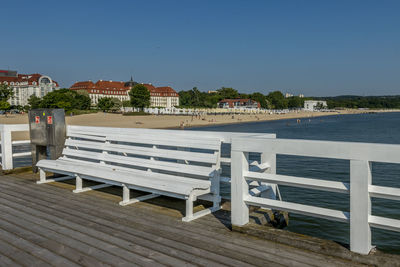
(274, 100)
(371, 102)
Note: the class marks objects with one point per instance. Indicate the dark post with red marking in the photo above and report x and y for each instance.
(47, 133)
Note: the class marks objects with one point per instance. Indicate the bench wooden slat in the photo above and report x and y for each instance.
(145, 151)
(89, 137)
(140, 162)
(190, 142)
(200, 143)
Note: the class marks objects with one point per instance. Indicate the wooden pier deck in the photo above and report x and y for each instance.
(48, 225)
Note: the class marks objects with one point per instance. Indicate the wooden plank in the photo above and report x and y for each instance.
(145, 151)
(20, 256)
(116, 255)
(39, 252)
(299, 208)
(6, 261)
(49, 251)
(331, 186)
(204, 234)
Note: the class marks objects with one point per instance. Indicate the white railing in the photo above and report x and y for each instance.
(7, 154)
(360, 189)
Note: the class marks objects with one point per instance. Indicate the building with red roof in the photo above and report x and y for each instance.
(25, 85)
(159, 96)
(165, 97)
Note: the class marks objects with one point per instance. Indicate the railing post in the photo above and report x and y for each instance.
(269, 157)
(360, 206)
(6, 148)
(239, 188)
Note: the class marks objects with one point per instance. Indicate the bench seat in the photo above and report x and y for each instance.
(145, 180)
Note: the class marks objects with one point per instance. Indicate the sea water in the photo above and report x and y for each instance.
(370, 128)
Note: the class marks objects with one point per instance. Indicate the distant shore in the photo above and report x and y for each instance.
(175, 121)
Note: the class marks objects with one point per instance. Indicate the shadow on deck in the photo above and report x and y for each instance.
(44, 225)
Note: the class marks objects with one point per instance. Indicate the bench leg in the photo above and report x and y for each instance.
(126, 200)
(79, 183)
(190, 216)
(126, 195)
(189, 209)
(43, 179)
(42, 174)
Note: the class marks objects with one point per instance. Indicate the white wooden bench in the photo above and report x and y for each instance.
(180, 167)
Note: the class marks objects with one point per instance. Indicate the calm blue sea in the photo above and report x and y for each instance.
(372, 128)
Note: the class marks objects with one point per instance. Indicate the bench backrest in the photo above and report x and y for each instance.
(197, 158)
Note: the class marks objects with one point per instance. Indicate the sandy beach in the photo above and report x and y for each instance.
(172, 121)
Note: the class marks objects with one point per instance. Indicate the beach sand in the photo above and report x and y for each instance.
(169, 121)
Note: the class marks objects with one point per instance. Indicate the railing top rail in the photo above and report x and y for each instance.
(389, 153)
(14, 127)
(226, 136)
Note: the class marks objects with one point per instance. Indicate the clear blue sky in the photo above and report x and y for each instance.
(313, 47)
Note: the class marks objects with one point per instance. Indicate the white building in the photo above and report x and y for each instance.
(25, 85)
(312, 105)
(165, 97)
(101, 89)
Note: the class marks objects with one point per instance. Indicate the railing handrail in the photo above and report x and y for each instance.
(361, 189)
(389, 153)
(227, 136)
(14, 127)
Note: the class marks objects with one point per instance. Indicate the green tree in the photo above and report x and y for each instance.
(126, 103)
(64, 104)
(105, 104)
(4, 105)
(117, 104)
(60, 98)
(295, 102)
(277, 100)
(140, 96)
(5, 92)
(260, 98)
(228, 93)
(34, 102)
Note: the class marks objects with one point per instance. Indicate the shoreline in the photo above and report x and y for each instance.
(176, 121)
